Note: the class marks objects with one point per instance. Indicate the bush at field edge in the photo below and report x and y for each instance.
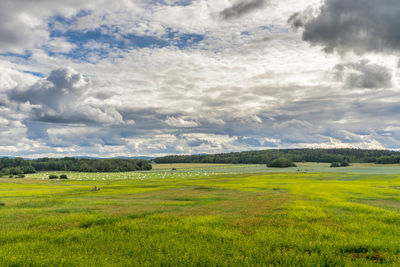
(281, 163)
(53, 176)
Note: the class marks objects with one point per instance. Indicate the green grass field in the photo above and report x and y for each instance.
(209, 215)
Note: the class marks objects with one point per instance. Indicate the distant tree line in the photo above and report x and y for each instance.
(20, 166)
(295, 155)
(392, 159)
(17, 166)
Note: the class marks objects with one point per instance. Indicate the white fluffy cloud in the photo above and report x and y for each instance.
(180, 122)
(63, 98)
(23, 23)
(138, 77)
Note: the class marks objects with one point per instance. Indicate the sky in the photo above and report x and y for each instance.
(155, 77)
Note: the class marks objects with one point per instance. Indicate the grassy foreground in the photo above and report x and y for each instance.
(218, 219)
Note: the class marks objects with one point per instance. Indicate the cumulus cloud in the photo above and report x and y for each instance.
(62, 98)
(209, 143)
(242, 8)
(364, 74)
(21, 23)
(368, 143)
(180, 122)
(60, 45)
(358, 26)
(24, 23)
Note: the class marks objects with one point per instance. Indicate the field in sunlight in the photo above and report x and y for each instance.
(202, 216)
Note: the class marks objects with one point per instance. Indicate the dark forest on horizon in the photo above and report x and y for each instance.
(295, 155)
(17, 166)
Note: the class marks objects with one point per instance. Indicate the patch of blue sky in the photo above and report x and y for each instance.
(183, 40)
(101, 43)
(129, 41)
(275, 28)
(62, 20)
(172, 2)
(106, 38)
(34, 73)
(112, 39)
(25, 56)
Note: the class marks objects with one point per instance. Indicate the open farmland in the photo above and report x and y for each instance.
(209, 215)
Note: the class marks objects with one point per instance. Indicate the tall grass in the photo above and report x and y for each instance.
(221, 219)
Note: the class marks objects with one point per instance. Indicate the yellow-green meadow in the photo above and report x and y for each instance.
(224, 215)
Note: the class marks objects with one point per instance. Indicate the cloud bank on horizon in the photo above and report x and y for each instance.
(149, 78)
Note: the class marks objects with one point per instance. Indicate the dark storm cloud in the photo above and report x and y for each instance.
(358, 25)
(242, 8)
(300, 19)
(364, 74)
